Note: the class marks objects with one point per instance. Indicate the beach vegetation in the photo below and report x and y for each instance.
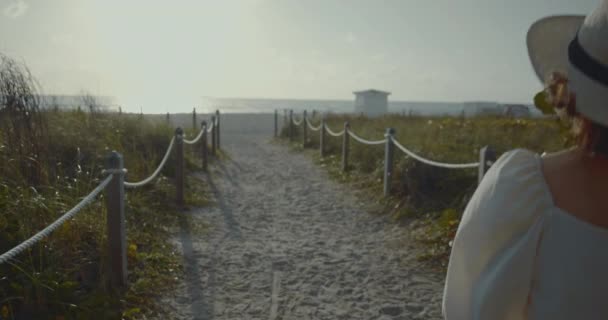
(430, 200)
(49, 160)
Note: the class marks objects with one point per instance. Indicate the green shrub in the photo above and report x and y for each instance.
(64, 274)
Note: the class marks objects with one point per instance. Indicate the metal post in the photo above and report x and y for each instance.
(213, 135)
(276, 123)
(304, 130)
(487, 156)
(217, 122)
(179, 166)
(322, 138)
(290, 125)
(115, 204)
(388, 160)
(194, 119)
(345, 143)
(204, 145)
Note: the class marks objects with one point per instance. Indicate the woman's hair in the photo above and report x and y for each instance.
(590, 136)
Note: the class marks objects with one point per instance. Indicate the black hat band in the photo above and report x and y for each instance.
(587, 64)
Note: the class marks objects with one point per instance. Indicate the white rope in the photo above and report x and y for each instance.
(364, 141)
(195, 140)
(296, 122)
(50, 228)
(210, 127)
(156, 172)
(335, 134)
(434, 163)
(311, 127)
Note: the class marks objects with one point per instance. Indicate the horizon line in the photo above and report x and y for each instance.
(389, 101)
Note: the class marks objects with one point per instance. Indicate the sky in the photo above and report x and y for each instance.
(168, 55)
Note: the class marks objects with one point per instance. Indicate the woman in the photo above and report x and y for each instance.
(533, 240)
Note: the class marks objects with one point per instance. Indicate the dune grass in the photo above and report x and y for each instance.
(64, 276)
(431, 199)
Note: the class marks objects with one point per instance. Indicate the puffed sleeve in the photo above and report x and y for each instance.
(492, 259)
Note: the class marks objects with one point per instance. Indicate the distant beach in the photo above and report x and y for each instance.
(229, 105)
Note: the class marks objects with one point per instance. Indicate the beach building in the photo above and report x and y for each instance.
(371, 103)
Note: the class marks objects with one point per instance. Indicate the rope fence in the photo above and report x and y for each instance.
(51, 227)
(435, 163)
(313, 128)
(156, 172)
(114, 185)
(364, 141)
(486, 154)
(196, 139)
(333, 133)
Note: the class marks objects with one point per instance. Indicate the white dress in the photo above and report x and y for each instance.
(518, 256)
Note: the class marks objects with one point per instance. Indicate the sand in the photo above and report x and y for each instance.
(287, 242)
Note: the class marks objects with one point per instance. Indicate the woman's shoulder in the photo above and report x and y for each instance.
(513, 188)
(518, 168)
(515, 161)
(496, 240)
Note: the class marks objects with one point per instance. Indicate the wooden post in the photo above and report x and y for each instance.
(322, 138)
(276, 122)
(115, 204)
(487, 156)
(388, 160)
(179, 166)
(304, 130)
(194, 119)
(345, 143)
(290, 125)
(204, 145)
(217, 122)
(213, 123)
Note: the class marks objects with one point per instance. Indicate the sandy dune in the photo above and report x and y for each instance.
(286, 242)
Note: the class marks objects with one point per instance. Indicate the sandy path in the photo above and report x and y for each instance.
(286, 242)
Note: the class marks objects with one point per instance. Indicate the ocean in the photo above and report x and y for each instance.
(334, 106)
(423, 108)
(254, 115)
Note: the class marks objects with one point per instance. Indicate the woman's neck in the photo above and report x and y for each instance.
(595, 165)
(577, 181)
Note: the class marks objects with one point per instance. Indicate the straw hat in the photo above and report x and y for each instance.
(578, 47)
